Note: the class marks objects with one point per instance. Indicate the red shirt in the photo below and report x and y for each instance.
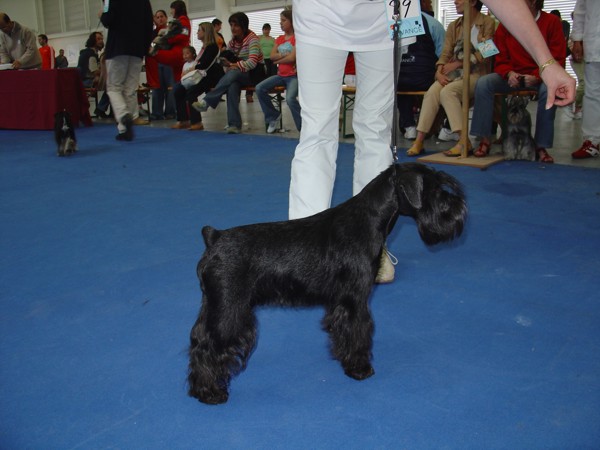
(47, 54)
(513, 57)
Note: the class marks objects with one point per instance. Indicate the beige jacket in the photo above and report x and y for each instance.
(486, 26)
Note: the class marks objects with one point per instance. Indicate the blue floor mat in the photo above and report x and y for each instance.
(492, 341)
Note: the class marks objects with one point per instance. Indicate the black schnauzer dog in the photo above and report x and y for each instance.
(518, 143)
(64, 134)
(161, 42)
(329, 259)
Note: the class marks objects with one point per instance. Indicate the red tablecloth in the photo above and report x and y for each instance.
(30, 98)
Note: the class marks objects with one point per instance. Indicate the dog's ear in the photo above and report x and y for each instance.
(411, 184)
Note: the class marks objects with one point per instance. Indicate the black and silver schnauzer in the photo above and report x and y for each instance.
(518, 142)
(161, 41)
(458, 55)
(329, 259)
(64, 134)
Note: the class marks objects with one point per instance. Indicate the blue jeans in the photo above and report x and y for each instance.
(483, 112)
(291, 98)
(163, 100)
(231, 84)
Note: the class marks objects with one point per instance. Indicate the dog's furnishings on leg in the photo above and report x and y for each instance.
(64, 134)
(329, 259)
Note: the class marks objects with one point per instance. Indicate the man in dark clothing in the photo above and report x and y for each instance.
(88, 63)
(129, 24)
(61, 61)
(89, 68)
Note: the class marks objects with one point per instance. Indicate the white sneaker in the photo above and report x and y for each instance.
(410, 133)
(448, 135)
(274, 125)
(233, 130)
(386, 271)
(200, 106)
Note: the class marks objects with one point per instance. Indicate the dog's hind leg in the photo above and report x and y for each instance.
(220, 343)
(350, 327)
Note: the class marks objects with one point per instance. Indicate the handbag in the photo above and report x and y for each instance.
(193, 77)
(258, 74)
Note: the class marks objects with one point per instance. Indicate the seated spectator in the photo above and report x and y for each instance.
(61, 61)
(447, 90)
(46, 52)
(163, 100)
(172, 57)
(245, 50)
(207, 60)
(417, 70)
(88, 63)
(90, 70)
(18, 45)
(189, 59)
(284, 55)
(515, 69)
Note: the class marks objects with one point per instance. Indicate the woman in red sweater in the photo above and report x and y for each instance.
(174, 56)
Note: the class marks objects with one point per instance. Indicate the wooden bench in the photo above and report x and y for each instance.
(348, 93)
(348, 97)
(276, 98)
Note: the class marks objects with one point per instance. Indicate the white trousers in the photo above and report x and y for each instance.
(123, 77)
(590, 124)
(320, 74)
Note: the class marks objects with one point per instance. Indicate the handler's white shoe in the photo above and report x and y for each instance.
(386, 271)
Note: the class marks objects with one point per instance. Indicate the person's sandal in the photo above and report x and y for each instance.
(543, 156)
(457, 150)
(482, 150)
(416, 149)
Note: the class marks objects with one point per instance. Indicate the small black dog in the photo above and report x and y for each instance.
(328, 259)
(161, 42)
(64, 134)
(518, 143)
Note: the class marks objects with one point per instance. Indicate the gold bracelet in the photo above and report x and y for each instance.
(546, 64)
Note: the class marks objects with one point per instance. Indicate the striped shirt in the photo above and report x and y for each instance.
(248, 51)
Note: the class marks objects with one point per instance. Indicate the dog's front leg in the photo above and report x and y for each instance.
(350, 327)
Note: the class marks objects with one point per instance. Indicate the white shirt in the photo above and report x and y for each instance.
(352, 25)
(586, 28)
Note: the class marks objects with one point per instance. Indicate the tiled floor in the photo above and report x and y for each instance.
(567, 135)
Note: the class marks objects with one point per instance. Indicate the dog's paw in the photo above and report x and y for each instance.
(360, 373)
(210, 396)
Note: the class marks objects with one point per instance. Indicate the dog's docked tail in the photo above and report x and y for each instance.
(210, 235)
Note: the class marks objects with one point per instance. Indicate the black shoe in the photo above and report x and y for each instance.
(101, 114)
(127, 135)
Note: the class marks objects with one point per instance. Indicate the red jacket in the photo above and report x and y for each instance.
(513, 57)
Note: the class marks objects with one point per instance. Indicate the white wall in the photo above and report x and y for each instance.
(22, 11)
